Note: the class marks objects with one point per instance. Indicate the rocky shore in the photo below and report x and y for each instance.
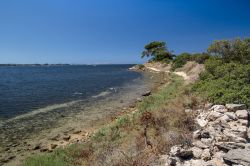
(79, 127)
(222, 138)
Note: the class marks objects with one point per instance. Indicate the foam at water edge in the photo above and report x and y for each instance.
(43, 110)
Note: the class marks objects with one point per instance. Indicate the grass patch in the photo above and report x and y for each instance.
(135, 138)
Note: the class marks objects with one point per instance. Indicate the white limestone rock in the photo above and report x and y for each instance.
(242, 114)
(234, 107)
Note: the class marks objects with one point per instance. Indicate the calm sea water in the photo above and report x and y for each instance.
(24, 89)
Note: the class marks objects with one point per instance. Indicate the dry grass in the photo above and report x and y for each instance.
(137, 138)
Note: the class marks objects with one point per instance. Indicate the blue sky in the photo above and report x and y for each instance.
(113, 31)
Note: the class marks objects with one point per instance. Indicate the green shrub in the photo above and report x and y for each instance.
(183, 58)
(200, 58)
(225, 82)
(236, 50)
(180, 60)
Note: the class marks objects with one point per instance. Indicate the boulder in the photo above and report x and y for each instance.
(243, 122)
(242, 114)
(197, 152)
(237, 136)
(147, 93)
(242, 131)
(248, 133)
(238, 156)
(199, 144)
(139, 99)
(219, 155)
(207, 141)
(217, 108)
(201, 122)
(37, 146)
(206, 155)
(55, 137)
(226, 146)
(214, 115)
(234, 107)
(178, 151)
(215, 162)
(53, 146)
(225, 118)
(231, 115)
(193, 162)
(197, 134)
(66, 137)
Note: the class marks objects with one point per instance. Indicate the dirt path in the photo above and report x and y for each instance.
(179, 73)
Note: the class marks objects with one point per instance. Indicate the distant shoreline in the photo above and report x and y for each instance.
(46, 64)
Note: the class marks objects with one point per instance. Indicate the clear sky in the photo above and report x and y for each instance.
(113, 31)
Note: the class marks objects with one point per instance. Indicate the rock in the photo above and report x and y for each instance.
(238, 156)
(175, 150)
(226, 146)
(199, 144)
(6, 159)
(225, 118)
(196, 152)
(248, 133)
(208, 105)
(44, 149)
(235, 136)
(147, 93)
(242, 114)
(215, 162)
(241, 131)
(217, 108)
(219, 155)
(193, 162)
(205, 134)
(234, 107)
(243, 122)
(77, 131)
(6, 149)
(55, 137)
(188, 110)
(139, 99)
(239, 140)
(206, 155)
(214, 115)
(197, 134)
(37, 146)
(66, 138)
(178, 151)
(172, 161)
(231, 115)
(207, 141)
(201, 119)
(53, 146)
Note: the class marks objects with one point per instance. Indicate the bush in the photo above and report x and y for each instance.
(200, 58)
(225, 82)
(236, 50)
(183, 58)
(180, 60)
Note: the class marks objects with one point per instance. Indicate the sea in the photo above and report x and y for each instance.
(37, 102)
(24, 89)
